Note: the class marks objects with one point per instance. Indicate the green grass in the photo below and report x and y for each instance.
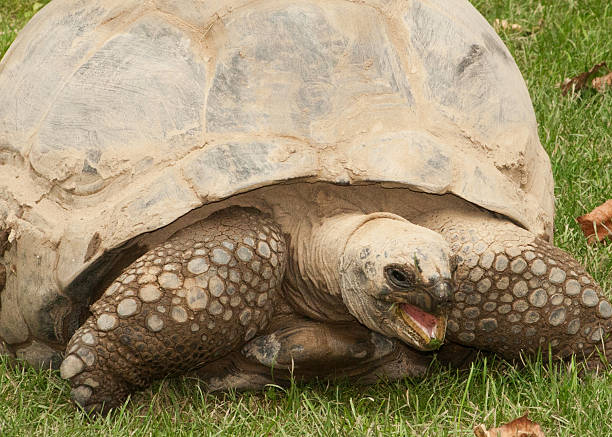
(577, 133)
(14, 14)
(447, 403)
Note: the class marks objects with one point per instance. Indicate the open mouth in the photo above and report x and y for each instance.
(431, 328)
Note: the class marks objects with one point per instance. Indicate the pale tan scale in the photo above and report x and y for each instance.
(538, 267)
(557, 316)
(172, 267)
(146, 278)
(154, 322)
(113, 288)
(149, 293)
(215, 308)
(223, 272)
(572, 287)
(473, 299)
(169, 281)
(518, 265)
(197, 266)
(216, 286)
(604, 309)
(220, 256)
(128, 307)
(501, 262)
(513, 251)
(107, 322)
(475, 274)
(471, 260)
(513, 317)
(197, 298)
(503, 283)
(89, 339)
(87, 355)
(484, 285)
(154, 270)
(489, 306)
(556, 299)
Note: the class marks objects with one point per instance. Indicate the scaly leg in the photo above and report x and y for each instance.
(204, 293)
(516, 292)
(304, 349)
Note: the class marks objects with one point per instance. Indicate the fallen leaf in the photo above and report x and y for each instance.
(505, 25)
(521, 427)
(597, 225)
(578, 82)
(603, 82)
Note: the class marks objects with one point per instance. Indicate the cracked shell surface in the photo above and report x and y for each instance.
(73, 149)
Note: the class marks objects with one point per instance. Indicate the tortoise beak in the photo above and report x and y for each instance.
(427, 313)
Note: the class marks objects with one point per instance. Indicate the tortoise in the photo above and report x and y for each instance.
(257, 191)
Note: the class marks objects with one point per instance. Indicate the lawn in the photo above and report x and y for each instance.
(558, 40)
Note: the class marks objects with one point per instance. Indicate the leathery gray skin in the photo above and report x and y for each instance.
(225, 300)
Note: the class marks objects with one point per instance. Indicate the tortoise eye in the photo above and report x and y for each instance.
(399, 277)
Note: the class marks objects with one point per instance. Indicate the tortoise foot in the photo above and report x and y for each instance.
(251, 369)
(304, 349)
(234, 372)
(194, 299)
(318, 347)
(96, 384)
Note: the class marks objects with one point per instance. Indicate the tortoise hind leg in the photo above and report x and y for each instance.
(204, 293)
(301, 349)
(517, 292)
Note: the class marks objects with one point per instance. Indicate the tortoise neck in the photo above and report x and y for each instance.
(318, 248)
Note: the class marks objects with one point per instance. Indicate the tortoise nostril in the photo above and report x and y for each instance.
(442, 291)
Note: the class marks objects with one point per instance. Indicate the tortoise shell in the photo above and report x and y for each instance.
(118, 117)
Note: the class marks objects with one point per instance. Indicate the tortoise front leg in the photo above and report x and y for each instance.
(205, 292)
(517, 292)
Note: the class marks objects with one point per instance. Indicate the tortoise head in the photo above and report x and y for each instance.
(396, 278)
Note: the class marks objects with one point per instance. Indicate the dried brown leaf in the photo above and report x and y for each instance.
(597, 224)
(505, 25)
(578, 82)
(603, 82)
(521, 427)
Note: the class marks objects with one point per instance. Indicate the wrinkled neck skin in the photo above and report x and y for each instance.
(313, 275)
